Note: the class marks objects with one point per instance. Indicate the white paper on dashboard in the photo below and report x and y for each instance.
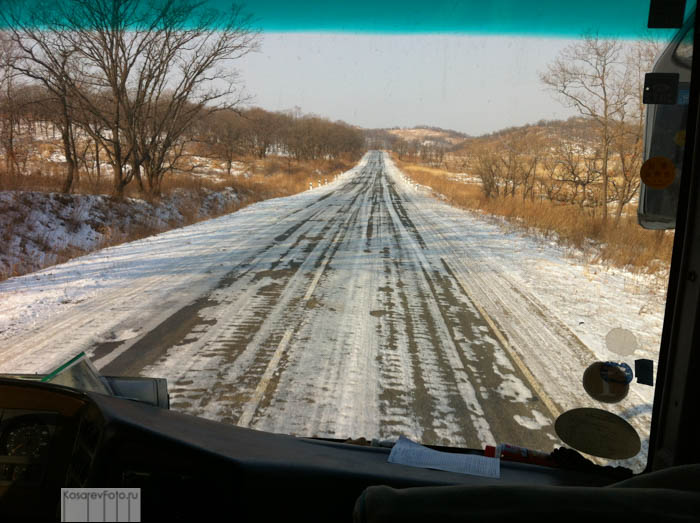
(407, 452)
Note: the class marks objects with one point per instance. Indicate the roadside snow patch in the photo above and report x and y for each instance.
(537, 422)
(42, 229)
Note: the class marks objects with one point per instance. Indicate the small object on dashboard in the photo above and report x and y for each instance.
(386, 443)
(358, 441)
(570, 459)
(520, 454)
(412, 454)
(79, 373)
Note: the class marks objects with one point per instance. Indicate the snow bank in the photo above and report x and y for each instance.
(42, 229)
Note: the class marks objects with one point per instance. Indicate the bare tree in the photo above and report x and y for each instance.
(527, 168)
(629, 133)
(261, 130)
(487, 166)
(8, 102)
(589, 76)
(578, 170)
(146, 71)
(48, 59)
(509, 167)
(519, 158)
(228, 128)
(432, 153)
(552, 184)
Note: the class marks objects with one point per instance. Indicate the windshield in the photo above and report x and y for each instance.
(365, 221)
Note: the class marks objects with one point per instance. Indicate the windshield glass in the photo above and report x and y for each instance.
(366, 220)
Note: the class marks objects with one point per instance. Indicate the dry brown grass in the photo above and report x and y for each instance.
(464, 195)
(49, 182)
(621, 245)
(276, 177)
(270, 178)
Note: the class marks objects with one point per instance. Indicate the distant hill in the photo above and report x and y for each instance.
(575, 129)
(424, 135)
(433, 135)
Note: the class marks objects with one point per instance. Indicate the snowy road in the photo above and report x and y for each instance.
(363, 308)
(350, 322)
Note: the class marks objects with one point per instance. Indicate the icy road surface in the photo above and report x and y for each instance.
(364, 308)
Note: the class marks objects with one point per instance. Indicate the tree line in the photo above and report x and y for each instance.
(132, 83)
(426, 151)
(256, 132)
(592, 160)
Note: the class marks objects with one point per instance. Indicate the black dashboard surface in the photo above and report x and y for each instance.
(189, 467)
(25, 444)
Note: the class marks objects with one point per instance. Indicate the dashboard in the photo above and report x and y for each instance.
(191, 469)
(25, 439)
(38, 429)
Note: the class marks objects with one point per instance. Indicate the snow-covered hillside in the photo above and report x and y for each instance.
(41, 229)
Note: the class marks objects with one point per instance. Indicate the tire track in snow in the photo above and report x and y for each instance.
(548, 348)
(251, 329)
(121, 308)
(316, 393)
(480, 368)
(403, 374)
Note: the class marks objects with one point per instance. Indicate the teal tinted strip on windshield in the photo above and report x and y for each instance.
(541, 17)
(619, 18)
